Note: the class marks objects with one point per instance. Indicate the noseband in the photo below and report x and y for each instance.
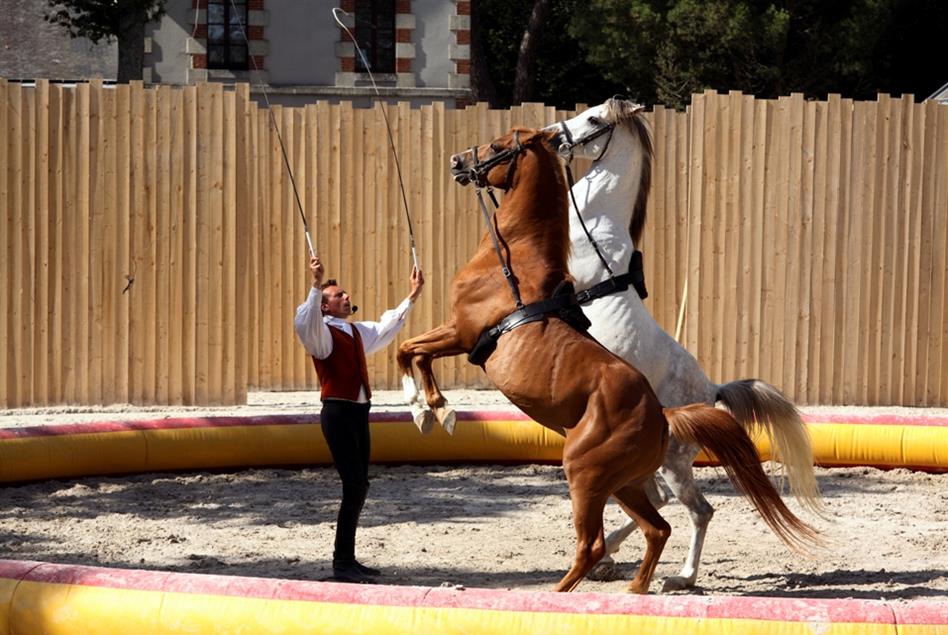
(480, 169)
(566, 148)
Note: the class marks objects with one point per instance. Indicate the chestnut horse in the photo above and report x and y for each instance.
(615, 429)
(606, 223)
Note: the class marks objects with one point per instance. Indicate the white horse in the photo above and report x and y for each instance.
(611, 199)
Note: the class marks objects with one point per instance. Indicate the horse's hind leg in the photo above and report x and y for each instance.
(607, 569)
(441, 341)
(679, 474)
(656, 530)
(588, 505)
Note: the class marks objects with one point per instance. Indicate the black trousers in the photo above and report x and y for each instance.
(345, 426)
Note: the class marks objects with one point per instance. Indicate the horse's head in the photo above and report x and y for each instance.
(589, 133)
(618, 124)
(493, 164)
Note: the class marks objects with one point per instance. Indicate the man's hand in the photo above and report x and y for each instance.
(417, 282)
(316, 266)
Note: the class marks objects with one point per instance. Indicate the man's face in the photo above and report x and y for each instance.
(336, 302)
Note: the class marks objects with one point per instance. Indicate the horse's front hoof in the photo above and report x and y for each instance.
(447, 418)
(423, 418)
(605, 571)
(675, 583)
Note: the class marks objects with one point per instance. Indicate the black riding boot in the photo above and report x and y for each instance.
(344, 564)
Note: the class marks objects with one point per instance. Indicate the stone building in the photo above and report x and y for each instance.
(417, 50)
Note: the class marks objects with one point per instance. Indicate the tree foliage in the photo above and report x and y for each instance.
(121, 20)
(659, 51)
(100, 19)
(563, 77)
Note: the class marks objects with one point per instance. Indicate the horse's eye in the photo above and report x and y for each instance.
(594, 121)
(495, 147)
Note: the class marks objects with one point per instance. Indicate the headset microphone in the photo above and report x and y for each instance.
(354, 309)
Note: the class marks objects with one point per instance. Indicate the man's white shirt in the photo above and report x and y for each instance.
(312, 327)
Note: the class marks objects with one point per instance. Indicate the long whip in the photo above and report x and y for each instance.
(276, 129)
(391, 142)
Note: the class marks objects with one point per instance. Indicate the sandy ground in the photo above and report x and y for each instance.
(483, 526)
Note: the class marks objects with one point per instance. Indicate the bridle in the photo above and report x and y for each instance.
(478, 172)
(478, 175)
(563, 303)
(565, 149)
(635, 275)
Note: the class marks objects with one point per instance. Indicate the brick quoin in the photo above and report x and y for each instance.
(256, 62)
(255, 5)
(463, 37)
(199, 61)
(254, 32)
(403, 35)
(347, 64)
(348, 5)
(403, 65)
(463, 67)
(464, 8)
(402, 6)
(200, 31)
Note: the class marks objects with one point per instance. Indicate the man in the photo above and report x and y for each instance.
(338, 348)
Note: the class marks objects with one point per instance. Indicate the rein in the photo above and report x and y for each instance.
(479, 177)
(564, 301)
(566, 153)
(636, 274)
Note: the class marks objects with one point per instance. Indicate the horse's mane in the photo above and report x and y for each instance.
(559, 240)
(632, 115)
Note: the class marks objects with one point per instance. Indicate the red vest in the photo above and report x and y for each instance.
(343, 372)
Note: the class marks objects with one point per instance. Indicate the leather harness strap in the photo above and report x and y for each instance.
(616, 284)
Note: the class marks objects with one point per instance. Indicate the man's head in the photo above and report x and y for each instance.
(335, 300)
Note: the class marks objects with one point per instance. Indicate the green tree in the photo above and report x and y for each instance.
(561, 77)
(122, 20)
(665, 51)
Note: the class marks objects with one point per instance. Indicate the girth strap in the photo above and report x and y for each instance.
(615, 284)
(563, 304)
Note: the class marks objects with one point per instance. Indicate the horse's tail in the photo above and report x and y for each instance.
(761, 408)
(718, 432)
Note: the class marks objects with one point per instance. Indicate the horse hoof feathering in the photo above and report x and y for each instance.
(539, 355)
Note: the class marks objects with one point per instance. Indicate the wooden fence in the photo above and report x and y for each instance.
(152, 251)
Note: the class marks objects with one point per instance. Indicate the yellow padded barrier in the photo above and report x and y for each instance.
(201, 443)
(66, 600)
(60, 600)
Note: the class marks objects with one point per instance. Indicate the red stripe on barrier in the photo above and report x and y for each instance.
(176, 423)
(754, 608)
(920, 612)
(171, 423)
(878, 420)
